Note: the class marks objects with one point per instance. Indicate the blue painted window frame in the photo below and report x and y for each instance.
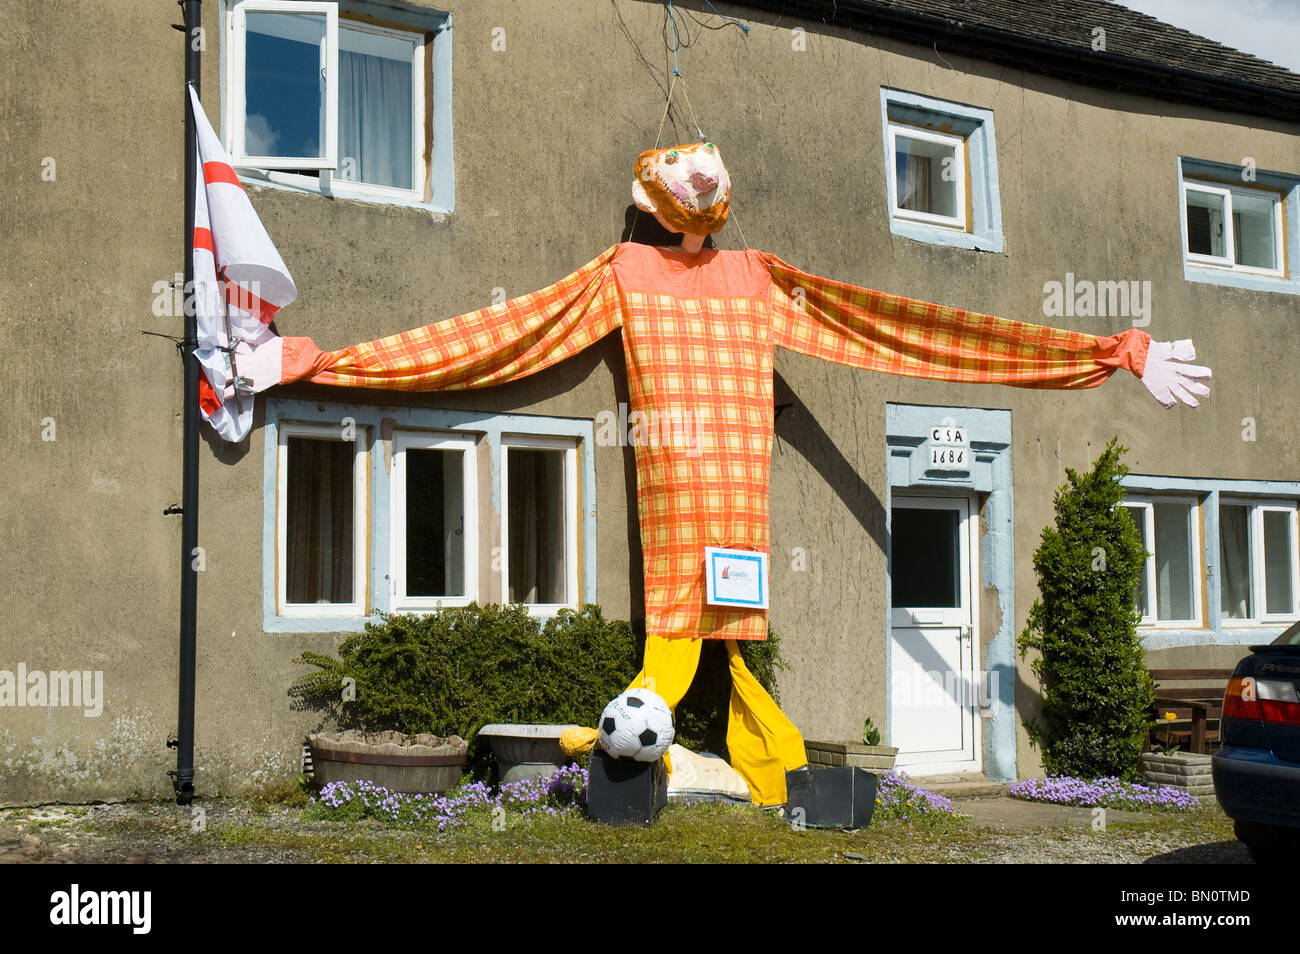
(976, 126)
(494, 429)
(1228, 175)
(441, 158)
(1209, 491)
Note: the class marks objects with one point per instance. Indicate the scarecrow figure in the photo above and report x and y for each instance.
(698, 327)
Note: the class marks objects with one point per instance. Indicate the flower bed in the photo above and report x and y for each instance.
(897, 799)
(557, 794)
(1104, 793)
(561, 793)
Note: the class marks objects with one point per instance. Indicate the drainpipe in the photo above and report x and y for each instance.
(183, 776)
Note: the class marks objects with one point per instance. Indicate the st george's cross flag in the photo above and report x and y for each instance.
(240, 282)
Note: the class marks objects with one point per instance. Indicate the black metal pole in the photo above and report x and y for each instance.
(183, 777)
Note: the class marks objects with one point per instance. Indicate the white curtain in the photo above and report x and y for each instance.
(319, 522)
(914, 183)
(537, 515)
(375, 119)
(1234, 562)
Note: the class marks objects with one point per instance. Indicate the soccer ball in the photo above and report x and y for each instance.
(636, 725)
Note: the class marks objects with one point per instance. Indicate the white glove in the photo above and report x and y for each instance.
(1170, 381)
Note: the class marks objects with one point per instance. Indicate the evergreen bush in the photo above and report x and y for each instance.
(456, 670)
(1096, 690)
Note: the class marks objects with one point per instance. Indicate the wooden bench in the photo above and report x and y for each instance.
(1196, 707)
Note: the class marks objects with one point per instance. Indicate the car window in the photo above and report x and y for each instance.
(1290, 636)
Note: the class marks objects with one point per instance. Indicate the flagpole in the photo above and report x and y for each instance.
(183, 776)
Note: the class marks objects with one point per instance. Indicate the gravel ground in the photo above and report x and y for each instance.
(990, 832)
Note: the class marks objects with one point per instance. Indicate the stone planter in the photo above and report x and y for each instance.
(398, 762)
(1182, 770)
(525, 751)
(877, 759)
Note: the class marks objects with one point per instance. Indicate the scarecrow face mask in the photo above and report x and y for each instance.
(685, 187)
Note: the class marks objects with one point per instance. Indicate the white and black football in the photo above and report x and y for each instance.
(636, 725)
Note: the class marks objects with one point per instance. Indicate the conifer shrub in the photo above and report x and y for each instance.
(1097, 692)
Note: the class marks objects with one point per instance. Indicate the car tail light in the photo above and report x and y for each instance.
(1262, 700)
(1241, 701)
(1279, 701)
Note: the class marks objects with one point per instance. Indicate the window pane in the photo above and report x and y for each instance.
(435, 523)
(1277, 561)
(925, 181)
(1252, 223)
(536, 529)
(318, 527)
(1234, 563)
(1174, 582)
(1205, 223)
(1142, 598)
(375, 119)
(284, 109)
(925, 555)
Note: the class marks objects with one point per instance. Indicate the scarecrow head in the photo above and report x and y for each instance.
(685, 187)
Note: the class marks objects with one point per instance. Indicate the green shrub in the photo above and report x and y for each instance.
(456, 670)
(1096, 690)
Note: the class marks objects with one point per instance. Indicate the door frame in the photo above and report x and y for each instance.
(970, 651)
(908, 467)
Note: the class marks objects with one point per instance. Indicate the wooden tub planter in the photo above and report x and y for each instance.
(398, 762)
(525, 750)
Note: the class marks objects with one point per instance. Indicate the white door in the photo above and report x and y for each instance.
(933, 697)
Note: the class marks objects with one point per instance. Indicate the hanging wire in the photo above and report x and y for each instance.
(695, 120)
(740, 23)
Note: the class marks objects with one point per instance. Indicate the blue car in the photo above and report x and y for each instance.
(1257, 770)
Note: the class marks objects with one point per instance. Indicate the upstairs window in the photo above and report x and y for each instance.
(1239, 225)
(1233, 227)
(928, 183)
(320, 101)
(284, 100)
(941, 171)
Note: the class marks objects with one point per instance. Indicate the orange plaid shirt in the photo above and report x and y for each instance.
(698, 333)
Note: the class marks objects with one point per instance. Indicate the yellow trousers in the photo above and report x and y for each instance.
(763, 742)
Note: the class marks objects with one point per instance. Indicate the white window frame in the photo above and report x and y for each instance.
(958, 143)
(572, 516)
(1146, 505)
(350, 188)
(409, 440)
(330, 180)
(1229, 262)
(360, 526)
(235, 48)
(1258, 593)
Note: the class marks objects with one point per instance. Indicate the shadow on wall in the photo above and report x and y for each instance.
(796, 426)
(644, 229)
